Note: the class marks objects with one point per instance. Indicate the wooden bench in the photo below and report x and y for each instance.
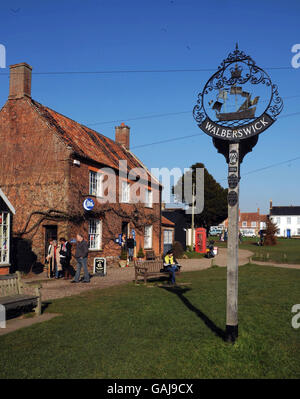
(150, 268)
(11, 293)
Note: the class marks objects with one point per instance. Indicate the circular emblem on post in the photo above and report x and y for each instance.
(88, 204)
(233, 181)
(233, 157)
(239, 101)
(232, 198)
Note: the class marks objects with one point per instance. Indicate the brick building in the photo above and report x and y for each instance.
(50, 164)
(250, 223)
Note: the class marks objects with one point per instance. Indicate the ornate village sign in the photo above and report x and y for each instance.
(237, 104)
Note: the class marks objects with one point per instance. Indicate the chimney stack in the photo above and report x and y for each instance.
(20, 81)
(258, 210)
(122, 135)
(271, 204)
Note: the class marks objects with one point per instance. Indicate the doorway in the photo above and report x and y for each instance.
(125, 226)
(50, 233)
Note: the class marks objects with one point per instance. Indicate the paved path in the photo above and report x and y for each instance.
(16, 324)
(284, 265)
(52, 289)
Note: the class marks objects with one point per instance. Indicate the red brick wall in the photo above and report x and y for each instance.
(4, 270)
(33, 169)
(111, 215)
(36, 174)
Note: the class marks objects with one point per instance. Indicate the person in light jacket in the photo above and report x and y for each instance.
(54, 258)
(171, 265)
(81, 255)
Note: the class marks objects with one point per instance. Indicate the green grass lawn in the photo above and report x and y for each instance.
(286, 250)
(152, 332)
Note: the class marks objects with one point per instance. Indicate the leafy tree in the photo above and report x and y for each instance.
(215, 209)
(177, 249)
(270, 237)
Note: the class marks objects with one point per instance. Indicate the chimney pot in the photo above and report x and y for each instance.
(20, 81)
(122, 135)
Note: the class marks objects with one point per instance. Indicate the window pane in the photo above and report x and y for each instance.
(148, 237)
(95, 234)
(125, 191)
(4, 237)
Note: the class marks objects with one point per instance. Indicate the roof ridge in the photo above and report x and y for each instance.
(73, 120)
(67, 129)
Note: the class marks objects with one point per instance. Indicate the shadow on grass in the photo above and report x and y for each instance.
(180, 291)
(25, 310)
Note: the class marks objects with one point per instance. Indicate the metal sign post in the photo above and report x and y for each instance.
(227, 110)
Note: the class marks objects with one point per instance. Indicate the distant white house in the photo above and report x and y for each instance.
(287, 220)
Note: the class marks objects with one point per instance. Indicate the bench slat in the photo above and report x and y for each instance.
(15, 299)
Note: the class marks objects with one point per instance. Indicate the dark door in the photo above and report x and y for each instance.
(125, 228)
(50, 233)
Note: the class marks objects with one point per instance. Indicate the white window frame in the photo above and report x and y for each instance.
(253, 224)
(278, 220)
(298, 232)
(125, 195)
(4, 238)
(148, 198)
(95, 184)
(298, 219)
(244, 224)
(95, 230)
(169, 234)
(148, 237)
(288, 220)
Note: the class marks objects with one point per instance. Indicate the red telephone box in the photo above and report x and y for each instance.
(200, 240)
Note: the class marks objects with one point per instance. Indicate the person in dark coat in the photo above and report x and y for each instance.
(65, 258)
(81, 255)
(49, 259)
(130, 247)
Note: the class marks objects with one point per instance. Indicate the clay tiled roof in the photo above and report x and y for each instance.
(86, 142)
(166, 221)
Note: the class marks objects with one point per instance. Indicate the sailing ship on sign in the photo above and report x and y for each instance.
(245, 111)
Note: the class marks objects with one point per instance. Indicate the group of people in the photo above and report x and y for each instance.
(59, 257)
(223, 235)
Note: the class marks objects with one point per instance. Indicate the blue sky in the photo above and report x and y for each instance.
(55, 36)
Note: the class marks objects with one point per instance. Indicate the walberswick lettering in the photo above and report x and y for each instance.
(239, 133)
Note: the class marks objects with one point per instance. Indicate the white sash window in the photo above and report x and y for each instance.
(125, 192)
(148, 237)
(4, 237)
(95, 184)
(148, 198)
(95, 234)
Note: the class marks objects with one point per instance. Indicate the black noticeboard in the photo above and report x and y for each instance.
(100, 266)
